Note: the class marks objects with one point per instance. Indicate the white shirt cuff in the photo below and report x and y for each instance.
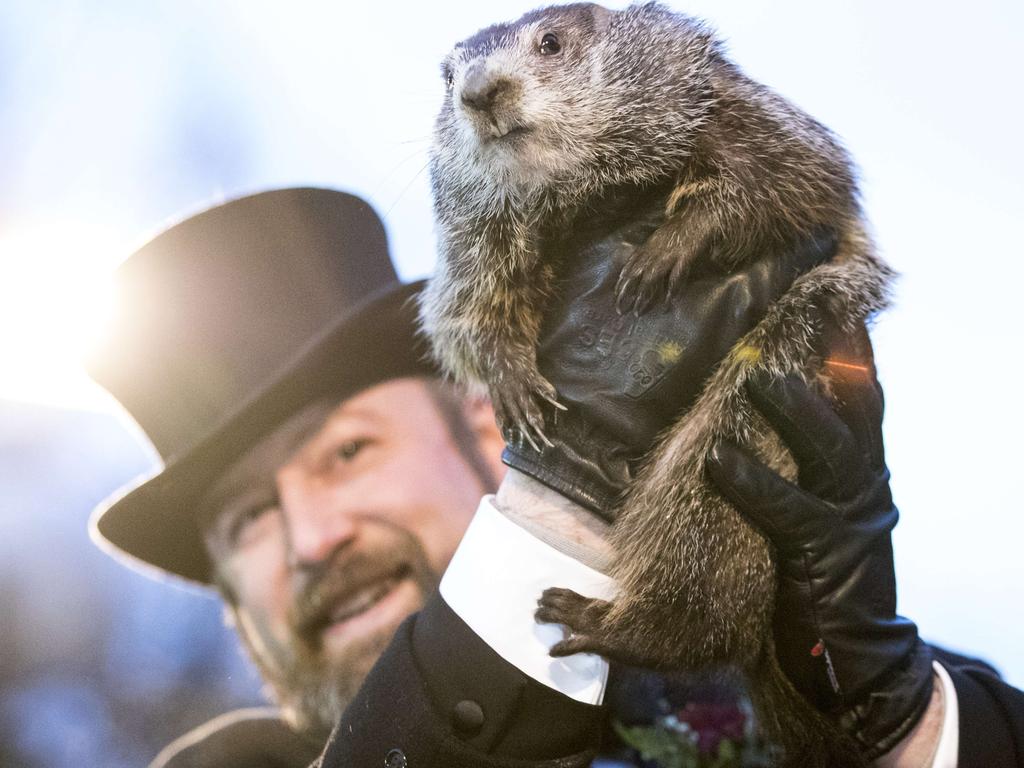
(493, 583)
(949, 739)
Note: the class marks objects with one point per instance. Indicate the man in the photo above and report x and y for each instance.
(393, 464)
(327, 504)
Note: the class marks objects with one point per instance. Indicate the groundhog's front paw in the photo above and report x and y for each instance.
(582, 617)
(518, 401)
(657, 269)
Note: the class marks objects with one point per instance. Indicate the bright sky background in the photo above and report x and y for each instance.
(118, 115)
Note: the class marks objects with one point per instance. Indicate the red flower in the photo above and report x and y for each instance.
(712, 723)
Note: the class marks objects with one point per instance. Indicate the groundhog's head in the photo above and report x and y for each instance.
(570, 92)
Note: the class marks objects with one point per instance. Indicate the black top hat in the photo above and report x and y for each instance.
(226, 324)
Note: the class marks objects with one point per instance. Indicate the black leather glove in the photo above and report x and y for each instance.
(837, 634)
(623, 378)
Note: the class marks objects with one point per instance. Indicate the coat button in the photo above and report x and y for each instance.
(396, 759)
(468, 717)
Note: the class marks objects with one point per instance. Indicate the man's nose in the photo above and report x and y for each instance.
(317, 522)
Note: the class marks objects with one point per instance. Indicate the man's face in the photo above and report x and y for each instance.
(336, 526)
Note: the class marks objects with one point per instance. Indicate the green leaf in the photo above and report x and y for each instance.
(667, 749)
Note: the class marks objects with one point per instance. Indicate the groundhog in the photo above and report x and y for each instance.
(568, 106)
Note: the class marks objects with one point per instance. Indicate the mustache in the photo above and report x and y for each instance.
(333, 581)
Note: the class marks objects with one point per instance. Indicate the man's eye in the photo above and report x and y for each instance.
(348, 450)
(243, 521)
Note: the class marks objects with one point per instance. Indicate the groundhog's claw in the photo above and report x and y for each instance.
(657, 269)
(650, 276)
(623, 294)
(636, 290)
(517, 407)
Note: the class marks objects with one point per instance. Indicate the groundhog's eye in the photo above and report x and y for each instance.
(449, 80)
(549, 44)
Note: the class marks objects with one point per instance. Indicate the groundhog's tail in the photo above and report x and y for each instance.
(804, 736)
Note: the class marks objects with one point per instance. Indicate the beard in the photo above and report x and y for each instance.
(313, 684)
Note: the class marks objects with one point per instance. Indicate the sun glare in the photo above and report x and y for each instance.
(55, 289)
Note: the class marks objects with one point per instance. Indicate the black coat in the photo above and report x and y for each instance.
(441, 698)
(246, 738)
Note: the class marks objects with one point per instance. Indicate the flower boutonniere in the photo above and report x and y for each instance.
(700, 735)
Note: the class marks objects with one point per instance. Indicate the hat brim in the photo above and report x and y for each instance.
(153, 524)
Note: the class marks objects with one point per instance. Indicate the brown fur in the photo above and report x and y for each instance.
(640, 98)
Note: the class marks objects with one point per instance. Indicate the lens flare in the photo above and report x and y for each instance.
(55, 290)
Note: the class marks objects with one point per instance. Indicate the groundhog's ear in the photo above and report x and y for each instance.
(602, 17)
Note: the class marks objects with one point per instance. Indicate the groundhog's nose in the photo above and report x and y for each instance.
(481, 91)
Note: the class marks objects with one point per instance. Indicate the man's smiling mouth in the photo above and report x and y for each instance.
(332, 609)
(362, 600)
